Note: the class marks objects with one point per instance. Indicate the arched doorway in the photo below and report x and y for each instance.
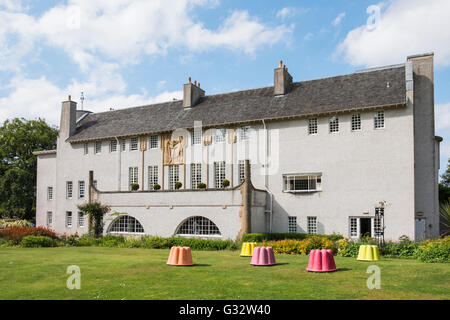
(197, 225)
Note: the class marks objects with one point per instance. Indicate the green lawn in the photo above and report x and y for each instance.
(122, 273)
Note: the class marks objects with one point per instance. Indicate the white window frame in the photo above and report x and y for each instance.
(49, 219)
(113, 146)
(292, 224)
(69, 217)
(353, 227)
(123, 145)
(313, 126)
(153, 142)
(98, 147)
(198, 226)
(379, 120)
(312, 225)
(333, 124)
(69, 189)
(219, 174)
(133, 176)
(152, 176)
(356, 122)
(196, 175)
(81, 219)
(86, 148)
(196, 136)
(81, 189)
(134, 144)
(220, 135)
(244, 133)
(174, 175)
(49, 193)
(314, 182)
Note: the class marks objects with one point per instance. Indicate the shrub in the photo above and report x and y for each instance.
(156, 186)
(437, 250)
(260, 237)
(404, 248)
(201, 185)
(348, 248)
(226, 183)
(16, 234)
(134, 186)
(437, 253)
(37, 241)
(157, 242)
(70, 240)
(301, 246)
(14, 223)
(178, 185)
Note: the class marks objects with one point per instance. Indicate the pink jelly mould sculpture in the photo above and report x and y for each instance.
(263, 256)
(321, 261)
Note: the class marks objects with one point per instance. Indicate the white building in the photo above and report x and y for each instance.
(326, 156)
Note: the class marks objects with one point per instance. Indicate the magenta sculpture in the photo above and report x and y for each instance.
(321, 261)
(263, 256)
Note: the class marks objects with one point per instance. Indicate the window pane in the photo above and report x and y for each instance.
(198, 226)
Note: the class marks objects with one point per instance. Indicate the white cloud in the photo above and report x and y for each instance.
(41, 98)
(126, 30)
(338, 19)
(442, 118)
(289, 12)
(406, 27)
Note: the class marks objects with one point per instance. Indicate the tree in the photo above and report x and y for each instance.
(446, 175)
(444, 210)
(444, 185)
(96, 211)
(18, 139)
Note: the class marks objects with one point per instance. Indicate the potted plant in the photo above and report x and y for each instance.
(134, 186)
(226, 183)
(156, 186)
(201, 185)
(178, 185)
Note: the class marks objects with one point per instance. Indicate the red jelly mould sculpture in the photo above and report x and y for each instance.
(263, 256)
(321, 261)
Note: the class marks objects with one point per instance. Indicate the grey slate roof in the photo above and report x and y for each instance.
(328, 95)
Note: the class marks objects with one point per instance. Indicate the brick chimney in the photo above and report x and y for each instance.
(192, 93)
(68, 119)
(282, 80)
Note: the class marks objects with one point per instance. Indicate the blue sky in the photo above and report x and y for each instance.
(126, 53)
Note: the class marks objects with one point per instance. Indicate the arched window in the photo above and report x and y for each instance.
(198, 226)
(126, 224)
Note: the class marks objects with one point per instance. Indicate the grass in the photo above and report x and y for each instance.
(123, 273)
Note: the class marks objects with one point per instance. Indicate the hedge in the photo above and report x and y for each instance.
(37, 241)
(153, 242)
(16, 234)
(303, 247)
(260, 237)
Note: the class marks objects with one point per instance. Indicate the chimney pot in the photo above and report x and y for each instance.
(189, 80)
(69, 98)
(281, 63)
(282, 80)
(192, 93)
